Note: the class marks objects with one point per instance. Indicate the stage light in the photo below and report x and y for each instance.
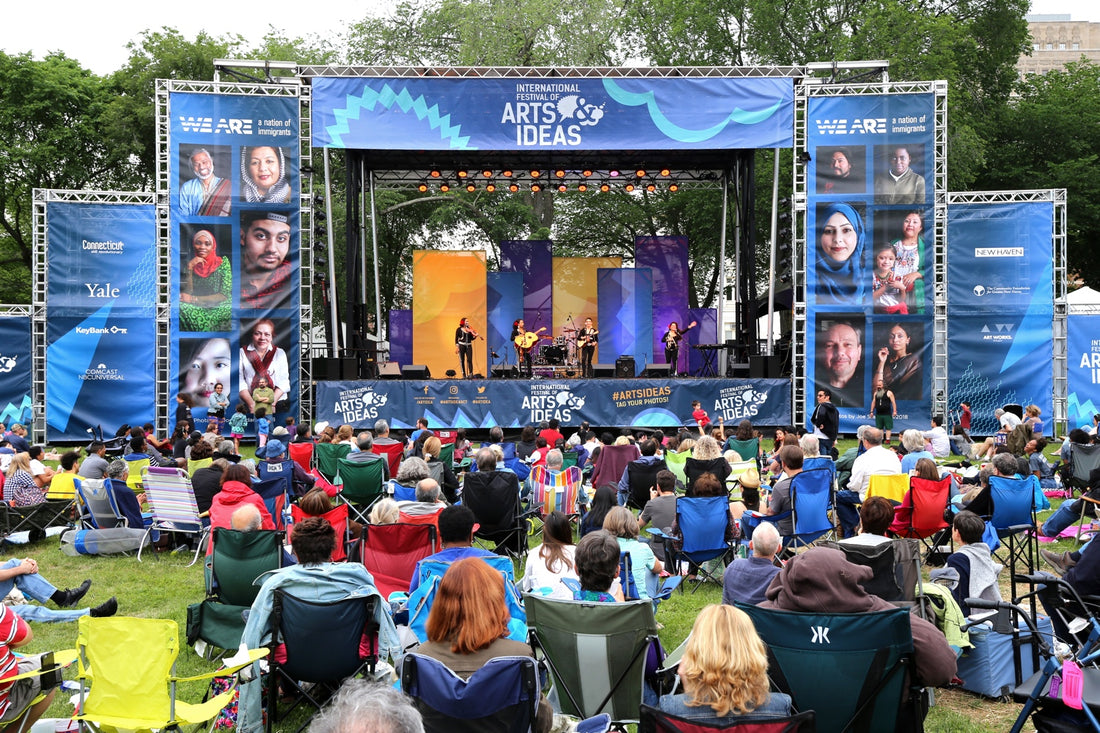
(470, 188)
(587, 173)
(605, 187)
(559, 173)
(319, 215)
(628, 187)
(513, 186)
(674, 187)
(582, 186)
(487, 174)
(666, 172)
(804, 157)
(319, 231)
(490, 187)
(506, 173)
(320, 262)
(613, 173)
(536, 174)
(435, 174)
(651, 187)
(318, 200)
(535, 188)
(640, 173)
(422, 188)
(444, 187)
(563, 188)
(462, 174)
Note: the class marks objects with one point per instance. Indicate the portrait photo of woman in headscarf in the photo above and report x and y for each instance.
(206, 278)
(841, 273)
(265, 175)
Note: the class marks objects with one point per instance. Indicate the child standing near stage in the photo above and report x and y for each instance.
(889, 288)
(238, 421)
(699, 415)
(263, 427)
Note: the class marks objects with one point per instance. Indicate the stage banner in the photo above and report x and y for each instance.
(401, 335)
(998, 359)
(706, 332)
(16, 405)
(667, 258)
(869, 252)
(234, 194)
(449, 114)
(1083, 362)
(504, 293)
(447, 287)
(100, 305)
(999, 258)
(534, 260)
(626, 311)
(575, 285)
(664, 403)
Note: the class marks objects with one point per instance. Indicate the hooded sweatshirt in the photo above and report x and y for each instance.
(232, 497)
(821, 580)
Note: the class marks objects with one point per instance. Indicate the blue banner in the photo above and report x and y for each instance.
(235, 197)
(1083, 364)
(999, 258)
(16, 405)
(449, 114)
(101, 298)
(514, 403)
(625, 302)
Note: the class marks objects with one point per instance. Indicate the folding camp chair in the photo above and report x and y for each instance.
(821, 462)
(890, 486)
(662, 591)
(920, 515)
(126, 671)
(36, 518)
(503, 696)
(172, 500)
(493, 497)
(611, 462)
(134, 477)
(239, 558)
(676, 463)
(1013, 520)
(283, 470)
(703, 522)
(302, 454)
(98, 509)
(641, 478)
(50, 678)
(749, 450)
(391, 551)
(658, 721)
(811, 496)
(362, 486)
(695, 467)
(447, 454)
(324, 642)
(393, 453)
(338, 518)
(850, 668)
(596, 653)
(552, 491)
(430, 573)
(63, 486)
(896, 567)
(273, 491)
(197, 463)
(327, 456)
(1082, 460)
(737, 470)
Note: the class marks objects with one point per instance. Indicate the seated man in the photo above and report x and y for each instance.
(747, 578)
(247, 518)
(128, 503)
(1038, 465)
(822, 580)
(24, 575)
(275, 464)
(314, 578)
(939, 442)
(660, 509)
(429, 503)
(790, 459)
(95, 464)
(456, 535)
(365, 454)
(42, 474)
(18, 696)
(972, 561)
(638, 476)
(554, 463)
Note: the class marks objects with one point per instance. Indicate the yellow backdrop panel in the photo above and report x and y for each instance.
(575, 289)
(447, 286)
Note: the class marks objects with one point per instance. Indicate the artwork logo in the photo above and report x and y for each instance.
(550, 401)
(550, 114)
(739, 403)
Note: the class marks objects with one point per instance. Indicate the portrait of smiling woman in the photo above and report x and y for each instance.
(264, 175)
(841, 275)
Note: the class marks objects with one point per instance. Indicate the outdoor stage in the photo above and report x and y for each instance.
(513, 403)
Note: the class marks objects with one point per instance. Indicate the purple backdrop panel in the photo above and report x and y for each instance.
(667, 257)
(706, 332)
(504, 300)
(534, 259)
(401, 336)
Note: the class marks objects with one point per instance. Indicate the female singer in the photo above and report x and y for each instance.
(671, 340)
(464, 347)
(587, 338)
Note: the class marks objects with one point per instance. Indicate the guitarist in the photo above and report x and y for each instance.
(524, 341)
(587, 338)
(672, 338)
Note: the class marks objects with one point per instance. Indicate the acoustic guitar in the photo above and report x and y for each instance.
(527, 339)
(587, 338)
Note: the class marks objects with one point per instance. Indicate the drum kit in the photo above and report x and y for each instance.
(560, 351)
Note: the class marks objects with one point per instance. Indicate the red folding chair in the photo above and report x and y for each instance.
(302, 454)
(393, 452)
(337, 517)
(391, 551)
(920, 515)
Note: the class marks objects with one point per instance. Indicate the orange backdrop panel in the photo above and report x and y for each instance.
(447, 286)
(575, 289)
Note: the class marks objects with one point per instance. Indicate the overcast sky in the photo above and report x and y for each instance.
(96, 34)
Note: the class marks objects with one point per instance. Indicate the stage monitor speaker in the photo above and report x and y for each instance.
(624, 367)
(504, 371)
(765, 367)
(603, 371)
(415, 371)
(389, 370)
(349, 368)
(325, 369)
(657, 370)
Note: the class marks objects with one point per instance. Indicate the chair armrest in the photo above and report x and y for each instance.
(61, 659)
(658, 532)
(254, 655)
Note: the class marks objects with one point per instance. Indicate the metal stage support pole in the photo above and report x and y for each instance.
(351, 263)
(377, 277)
(332, 337)
(771, 256)
(722, 259)
(746, 245)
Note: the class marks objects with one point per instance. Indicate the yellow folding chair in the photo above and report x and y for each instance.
(893, 487)
(126, 667)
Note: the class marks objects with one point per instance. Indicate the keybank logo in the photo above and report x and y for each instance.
(228, 125)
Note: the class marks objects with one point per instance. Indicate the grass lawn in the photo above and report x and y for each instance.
(162, 586)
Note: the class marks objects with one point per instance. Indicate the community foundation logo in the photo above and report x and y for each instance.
(979, 290)
(102, 373)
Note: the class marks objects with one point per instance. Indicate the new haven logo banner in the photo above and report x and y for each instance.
(552, 114)
(235, 278)
(15, 370)
(487, 403)
(100, 302)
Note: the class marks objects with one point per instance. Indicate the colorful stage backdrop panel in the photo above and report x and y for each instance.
(667, 259)
(869, 252)
(534, 260)
(504, 292)
(401, 336)
(664, 403)
(553, 114)
(16, 403)
(100, 303)
(1083, 362)
(234, 212)
(1000, 295)
(626, 314)
(447, 286)
(575, 283)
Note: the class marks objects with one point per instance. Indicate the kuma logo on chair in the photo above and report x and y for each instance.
(820, 635)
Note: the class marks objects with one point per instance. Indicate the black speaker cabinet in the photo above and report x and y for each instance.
(415, 371)
(504, 371)
(603, 371)
(624, 367)
(657, 370)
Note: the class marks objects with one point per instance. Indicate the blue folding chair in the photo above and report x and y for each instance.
(1013, 522)
(273, 491)
(820, 462)
(811, 497)
(703, 522)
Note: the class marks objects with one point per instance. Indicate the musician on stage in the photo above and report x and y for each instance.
(587, 338)
(672, 338)
(464, 347)
(523, 353)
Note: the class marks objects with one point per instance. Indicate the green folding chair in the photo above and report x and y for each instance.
(362, 486)
(327, 457)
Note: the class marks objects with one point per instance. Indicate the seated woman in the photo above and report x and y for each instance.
(621, 523)
(432, 449)
(913, 442)
(468, 625)
(551, 561)
(597, 567)
(236, 491)
(725, 672)
(20, 488)
(411, 471)
(602, 502)
(706, 457)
